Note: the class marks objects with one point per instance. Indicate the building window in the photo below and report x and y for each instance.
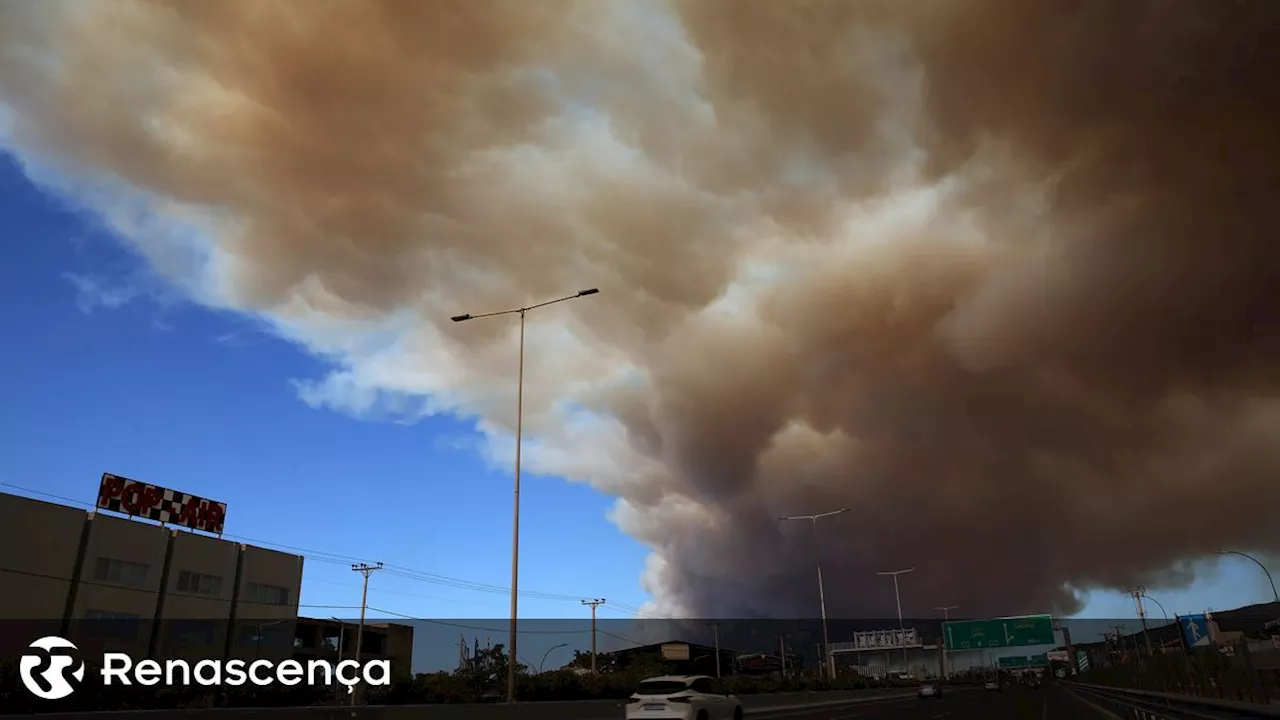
(199, 583)
(269, 634)
(112, 625)
(331, 642)
(195, 632)
(120, 571)
(268, 594)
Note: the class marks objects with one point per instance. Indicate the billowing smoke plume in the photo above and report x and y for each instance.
(999, 276)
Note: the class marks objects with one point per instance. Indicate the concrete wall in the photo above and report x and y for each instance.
(119, 540)
(389, 641)
(198, 595)
(39, 542)
(267, 604)
(399, 648)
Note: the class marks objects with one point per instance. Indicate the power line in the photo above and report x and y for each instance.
(481, 628)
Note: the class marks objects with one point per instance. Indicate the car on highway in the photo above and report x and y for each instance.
(686, 697)
(992, 686)
(929, 690)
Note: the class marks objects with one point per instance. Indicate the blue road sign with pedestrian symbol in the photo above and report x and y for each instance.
(1195, 630)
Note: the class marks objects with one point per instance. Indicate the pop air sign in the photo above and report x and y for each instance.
(139, 499)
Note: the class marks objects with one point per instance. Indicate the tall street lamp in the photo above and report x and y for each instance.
(1157, 602)
(822, 598)
(548, 652)
(1274, 594)
(515, 520)
(342, 630)
(946, 615)
(898, 598)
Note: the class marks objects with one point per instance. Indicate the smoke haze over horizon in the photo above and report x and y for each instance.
(999, 276)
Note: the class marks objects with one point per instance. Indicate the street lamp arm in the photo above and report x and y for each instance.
(1157, 602)
(816, 517)
(1257, 562)
(525, 309)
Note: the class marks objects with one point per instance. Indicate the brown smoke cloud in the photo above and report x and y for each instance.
(999, 276)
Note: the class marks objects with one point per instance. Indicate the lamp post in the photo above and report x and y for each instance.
(257, 638)
(946, 615)
(822, 598)
(898, 597)
(1157, 602)
(548, 652)
(1267, 572)
(342, 630)
(512, 655)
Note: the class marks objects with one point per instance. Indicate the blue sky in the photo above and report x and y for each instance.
(108, 370)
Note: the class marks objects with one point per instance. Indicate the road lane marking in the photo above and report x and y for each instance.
(835, 707)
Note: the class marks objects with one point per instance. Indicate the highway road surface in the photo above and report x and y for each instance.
(1049, 702)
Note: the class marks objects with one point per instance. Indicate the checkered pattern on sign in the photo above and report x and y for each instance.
(168, 509)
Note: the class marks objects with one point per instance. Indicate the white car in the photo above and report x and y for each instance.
(930, 690)
(992, 685)
(687, 697)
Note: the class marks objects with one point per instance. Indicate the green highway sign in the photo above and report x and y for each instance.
(1021, 661)
(999, 632)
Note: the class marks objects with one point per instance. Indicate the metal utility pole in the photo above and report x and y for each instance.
(898, 597)
(822, 598)
(1258, 562)
(946, 615)
(593, 604)
(1120, 645)
(715, 628)
(342, 630)
(515, 517)
(1137, 594)
(366, 571)
(1073, 663)
(782, 648)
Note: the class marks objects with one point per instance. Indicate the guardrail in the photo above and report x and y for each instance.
(571, 710)
(1150, 705)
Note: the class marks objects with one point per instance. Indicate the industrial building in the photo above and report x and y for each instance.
(115, 584)
(334, 639)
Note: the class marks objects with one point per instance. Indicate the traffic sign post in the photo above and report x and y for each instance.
(999, 632)
(1195, 630)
